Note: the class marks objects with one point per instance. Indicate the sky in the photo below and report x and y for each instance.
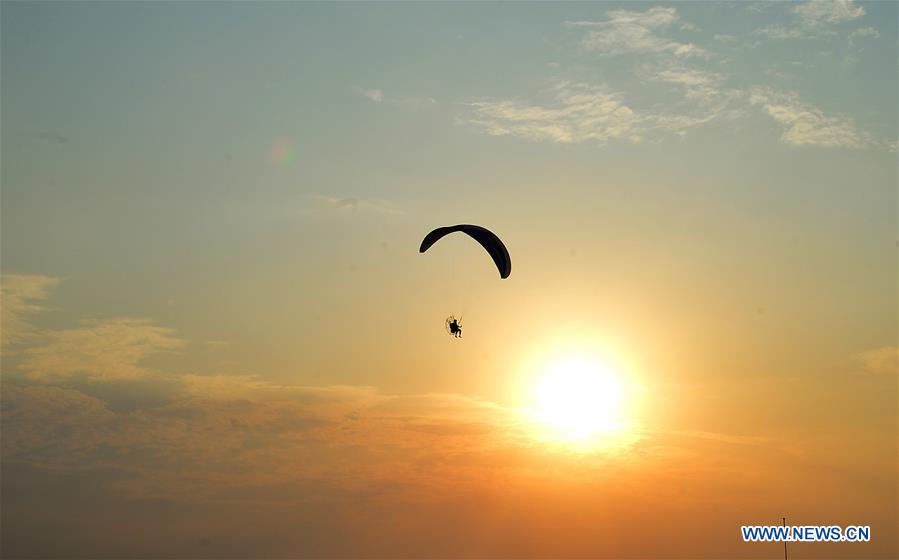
(219, 339)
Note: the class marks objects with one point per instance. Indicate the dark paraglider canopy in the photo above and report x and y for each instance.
(485, 237)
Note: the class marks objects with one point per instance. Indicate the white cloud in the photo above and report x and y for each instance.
(698, 84)
(805, 124)
(814, 19)
(375, 95)
(782, 32)
(575, 113)
(828, 12)
(779, 74)
(679, 124)
(634, 32)
(578, 112)
(863, 33)
(758, 7)
(378, 96)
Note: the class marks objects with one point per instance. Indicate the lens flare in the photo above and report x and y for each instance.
(282, 152)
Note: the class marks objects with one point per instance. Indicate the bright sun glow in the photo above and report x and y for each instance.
(578, 398)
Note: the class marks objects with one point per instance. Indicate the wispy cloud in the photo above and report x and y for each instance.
(880, 361)
(579, 112)
(375, 95)
(235, 431)
(868, 33)
(805, 124)
(814, 18)
(782, 32)
(828, 12)
(698, 84)
(104, 350)
(626, 32)
(378, 96)
(53, 137)
(758, 7)
(574, 113)
(355, 204)
(20, 296)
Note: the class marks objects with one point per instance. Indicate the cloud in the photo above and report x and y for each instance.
(579, 112)
(705, 96)
(209, 439)
(758, 7)
(698, 84)
(828, 12)
(378, 96)
(350, 202)
(354, 204)
(98, 350)
(321, 462)
(375, 95)
(805, 124)
(52, 137)
(572, 112)
(40, 421)
(575, 113)
(881, 361)
(228, 432)
(19, 297)
(189, 474)
(779, 74)
(337, 459)
(782, 32)
(862, 33)
(95, 350)
(814, 19)
(626, 32)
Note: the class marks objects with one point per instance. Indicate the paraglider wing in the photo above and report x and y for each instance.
(485, 237)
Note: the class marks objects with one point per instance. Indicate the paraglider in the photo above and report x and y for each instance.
(488, 240)
(454, 326)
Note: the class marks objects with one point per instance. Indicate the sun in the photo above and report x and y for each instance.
(579, 397)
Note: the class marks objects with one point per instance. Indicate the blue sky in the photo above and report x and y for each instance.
(161, 123)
